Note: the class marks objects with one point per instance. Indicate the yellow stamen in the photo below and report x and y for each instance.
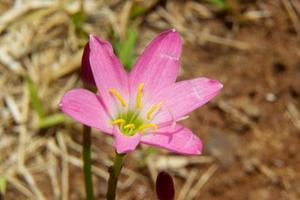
(143, 127)
(139, 96)
(129, 126)
(118, 96)
(118, 121)
(153, 109)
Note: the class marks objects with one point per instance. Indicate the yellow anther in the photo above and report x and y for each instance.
(118, 121)
(143, 127)
(153, 109)
(139, 96)
(118, 96)
(129, 126)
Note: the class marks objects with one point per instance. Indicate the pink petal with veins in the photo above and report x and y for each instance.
(87, 108)
(183, 97)
(108, 72)
(158, 65)
(177, 139)
(125, 144)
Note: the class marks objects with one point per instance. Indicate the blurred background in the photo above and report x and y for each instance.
(251, 131)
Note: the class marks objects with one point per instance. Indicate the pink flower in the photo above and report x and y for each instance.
(142, 106)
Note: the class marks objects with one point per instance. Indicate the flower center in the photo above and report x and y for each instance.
(130, 122)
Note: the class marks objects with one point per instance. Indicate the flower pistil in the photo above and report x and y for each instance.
(130, 122)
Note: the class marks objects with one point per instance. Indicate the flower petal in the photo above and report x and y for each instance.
(86, 107)
(158, 65)
(123, 143)
(178, 139)
(184, 97)
(108, 72)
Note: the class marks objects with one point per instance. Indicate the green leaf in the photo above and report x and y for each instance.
(125, 49)
(52, 120)
(35, 99)
(2, 185)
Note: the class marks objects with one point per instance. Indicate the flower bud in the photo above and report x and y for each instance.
(165, 186)
(86, 71)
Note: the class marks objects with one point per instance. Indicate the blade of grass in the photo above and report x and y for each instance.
(78, 19)
(141, 8)
(220, 4)
(137, 11)
(35, 99)
(148, 152)
(52, 120)
(125, 49)
(2, 185)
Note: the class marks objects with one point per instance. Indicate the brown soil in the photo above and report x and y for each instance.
(247, 128)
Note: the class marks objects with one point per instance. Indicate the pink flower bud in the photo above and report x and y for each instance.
(86, 71)
(165, 186)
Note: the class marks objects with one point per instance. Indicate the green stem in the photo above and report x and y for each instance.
(114, 173)
(87, 166)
